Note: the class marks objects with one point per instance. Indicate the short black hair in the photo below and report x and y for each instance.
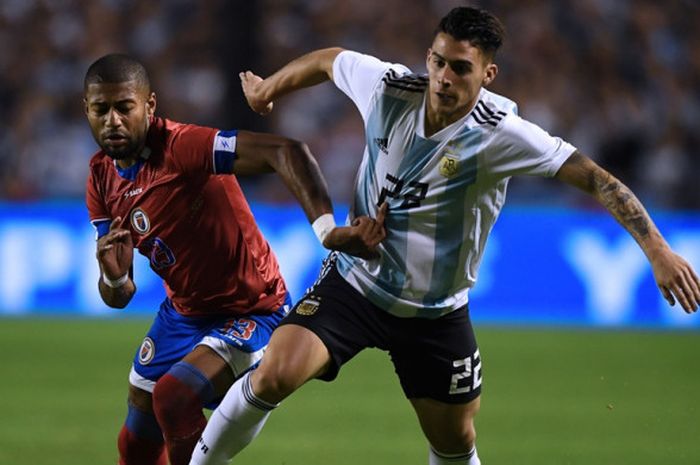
(481, 28)
(115, 68)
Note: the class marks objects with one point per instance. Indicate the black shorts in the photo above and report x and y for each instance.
(434, 358)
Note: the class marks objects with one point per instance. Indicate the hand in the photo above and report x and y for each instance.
(115, 251)
(251, 84)
(361, 238)
(676, 278)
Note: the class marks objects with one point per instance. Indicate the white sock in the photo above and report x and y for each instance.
(234, 423)
(438, 458)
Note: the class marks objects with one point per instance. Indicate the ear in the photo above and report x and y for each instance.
(427, 56)
(151, 105)
(490, 74)
(85, 106)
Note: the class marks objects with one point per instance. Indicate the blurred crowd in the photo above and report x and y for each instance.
(620, 79)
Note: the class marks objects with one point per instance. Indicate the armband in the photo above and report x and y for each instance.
(115, 283)
(323, 225)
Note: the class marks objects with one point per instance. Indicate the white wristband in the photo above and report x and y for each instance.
(323, 225)
(115, 283)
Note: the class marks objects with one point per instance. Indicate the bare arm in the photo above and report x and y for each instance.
(306, 71)
(674, 276)
(115, 254)
(292, 161)
(264, 153)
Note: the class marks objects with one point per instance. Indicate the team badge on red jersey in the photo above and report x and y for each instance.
(147, 351)
(140, 221)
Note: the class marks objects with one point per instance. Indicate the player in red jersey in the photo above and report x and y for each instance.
(169, 190)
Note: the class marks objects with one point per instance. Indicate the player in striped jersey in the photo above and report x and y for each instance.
(169, 189)
(439, 153)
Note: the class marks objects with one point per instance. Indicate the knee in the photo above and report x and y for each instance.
(449, 428)
(172, 398)
(458, 439)
(273, 382)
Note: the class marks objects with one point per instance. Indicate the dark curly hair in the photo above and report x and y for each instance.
(481, 28)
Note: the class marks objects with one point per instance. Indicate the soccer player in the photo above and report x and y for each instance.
(440, 150)
(169, 190)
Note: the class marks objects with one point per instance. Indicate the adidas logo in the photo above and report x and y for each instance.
(382, 143)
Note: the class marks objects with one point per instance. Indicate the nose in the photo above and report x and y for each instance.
(113, 120)
(445, 77)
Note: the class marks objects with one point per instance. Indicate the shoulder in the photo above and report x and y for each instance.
(168, 136)
(168, 130)
(99, 162)
(402, 81)
(354, 66)
(492, 110)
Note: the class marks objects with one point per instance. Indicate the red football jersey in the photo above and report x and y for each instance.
(194, 225)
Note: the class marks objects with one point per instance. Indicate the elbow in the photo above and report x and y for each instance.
(327, 58)
(118, 305)
(290, 150)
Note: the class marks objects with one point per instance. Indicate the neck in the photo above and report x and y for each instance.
(131, 160)
(125, 163)
(436, 121)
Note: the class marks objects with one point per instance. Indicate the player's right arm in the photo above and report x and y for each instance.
(115, 255)
(306, 71)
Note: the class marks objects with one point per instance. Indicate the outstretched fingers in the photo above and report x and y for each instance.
(667, 295)
(694, 283)
(685, 290)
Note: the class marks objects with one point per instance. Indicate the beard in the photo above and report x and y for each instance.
(127, 150)
(119, 153)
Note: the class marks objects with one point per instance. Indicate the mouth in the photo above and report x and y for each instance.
(115, 139)
(444, 98)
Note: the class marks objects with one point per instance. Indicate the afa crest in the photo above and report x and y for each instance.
(449, 166)
(307, 307)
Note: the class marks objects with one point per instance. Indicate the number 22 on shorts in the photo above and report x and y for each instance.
(470, 377)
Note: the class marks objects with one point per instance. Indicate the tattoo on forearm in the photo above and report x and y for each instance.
(623, 204)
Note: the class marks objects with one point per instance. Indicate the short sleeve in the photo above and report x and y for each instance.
(99, 216)
(523, 148)
(358, 76)
(192, 149)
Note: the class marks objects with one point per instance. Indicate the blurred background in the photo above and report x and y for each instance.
(580, 351)
(619, 79)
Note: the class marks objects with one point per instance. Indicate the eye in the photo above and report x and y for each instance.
(98, 110)
(125, 108)
(439, 62)
(460, 69)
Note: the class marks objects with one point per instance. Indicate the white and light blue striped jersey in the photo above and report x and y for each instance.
(444, 191)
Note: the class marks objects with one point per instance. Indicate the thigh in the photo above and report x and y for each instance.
(340, 317)
(213, 367)
(241, 341)
(170, 338)
(221, 347)
(140, 399)
(294, 356)
(437, 358)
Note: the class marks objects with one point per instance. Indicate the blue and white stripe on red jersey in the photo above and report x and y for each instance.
(224, 151)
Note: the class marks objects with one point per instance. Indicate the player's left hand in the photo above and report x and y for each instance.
(115, 251)
(361, 238)
(677, 280)
(251, 83)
